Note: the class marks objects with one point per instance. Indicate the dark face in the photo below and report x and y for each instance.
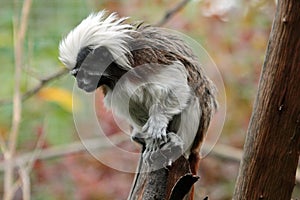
(95, 68)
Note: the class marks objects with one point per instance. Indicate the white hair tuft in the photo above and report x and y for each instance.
(96, 31)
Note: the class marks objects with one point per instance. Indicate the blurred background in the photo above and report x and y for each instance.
(234, 33)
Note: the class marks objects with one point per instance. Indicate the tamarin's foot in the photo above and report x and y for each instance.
(160, 153)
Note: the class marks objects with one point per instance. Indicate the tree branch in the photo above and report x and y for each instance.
(170, 13)
(43, 82)
(19, 36)
(25, 180)
(58, 151)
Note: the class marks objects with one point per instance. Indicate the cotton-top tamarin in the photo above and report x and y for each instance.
(150, 77)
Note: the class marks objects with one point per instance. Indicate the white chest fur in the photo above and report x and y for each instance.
(142, 87)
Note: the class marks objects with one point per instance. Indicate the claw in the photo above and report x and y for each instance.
(159, 154)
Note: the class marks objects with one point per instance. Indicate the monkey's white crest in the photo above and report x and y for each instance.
(96, 31)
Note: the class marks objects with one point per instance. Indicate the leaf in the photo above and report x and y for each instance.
(58, 95)
(183, 186)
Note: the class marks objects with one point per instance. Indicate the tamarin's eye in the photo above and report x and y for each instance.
(74, 71)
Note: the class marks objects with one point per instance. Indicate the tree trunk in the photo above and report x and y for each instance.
(272, 146)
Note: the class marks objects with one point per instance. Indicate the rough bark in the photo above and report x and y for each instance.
(172, 183)
(272, 146)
